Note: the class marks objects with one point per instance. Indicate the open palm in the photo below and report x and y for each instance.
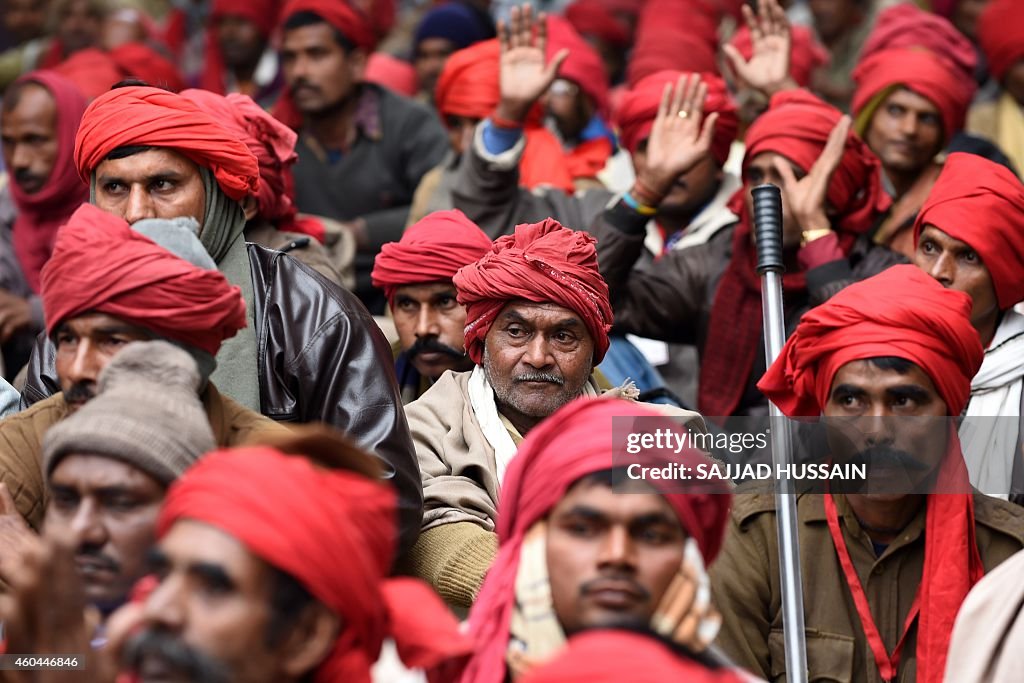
(525, 74)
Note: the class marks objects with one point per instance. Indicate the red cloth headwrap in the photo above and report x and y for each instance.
(431, 250)
(334, 532)
(349, 21)
(583, 66)
(796, 126)
(541, 262)
(670, 52)
(42, 213)
(392, 73)
(262, 14)
(1001, 34)
(981, 203)
(639, 107)
(150, 116)
(92, 71)
(138, 60)
(100, 264)
(578, 439)
(929, 326)
(805, 52)
(595, 18)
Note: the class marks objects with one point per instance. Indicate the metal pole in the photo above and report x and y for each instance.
(768, 235)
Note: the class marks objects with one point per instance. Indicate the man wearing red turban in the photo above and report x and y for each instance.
(914, 83)
(610, 35)
(416, 276)
(239, 57)
(296, 543)
(310, 352)
(969, 238)
(575, 553)
(537, 317)
(1001, 35)
(362, 148)
(898, 550)
(108, 284)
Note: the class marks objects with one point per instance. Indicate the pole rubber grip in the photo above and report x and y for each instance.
(768, 228)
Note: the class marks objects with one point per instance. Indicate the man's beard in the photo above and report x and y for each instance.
(80, 392)
(505, 390)
(183, 661)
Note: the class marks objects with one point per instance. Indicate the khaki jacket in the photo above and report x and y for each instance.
(745, 586)
(21, 443)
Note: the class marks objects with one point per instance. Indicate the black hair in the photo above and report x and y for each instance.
(288, 600)
(126, 151)
(899, 365)
(12, 96)
(301, 19)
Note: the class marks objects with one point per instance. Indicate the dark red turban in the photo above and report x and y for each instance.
(600, 656)
(583, 66)
(100, 264)
(901, 312)
(805, 52)
(981, 203)
(581, 438)
(42, 213)
(639, 107)
(595, 18)
(261, 13)
(670, 52)
(138, 60)
(334, 532)
(349, 21)
(92, 71)
(906, 26)
(151, 116)
(391, 72)
(1001, 34)
(796, 126)
(431, 250)
(542, 262)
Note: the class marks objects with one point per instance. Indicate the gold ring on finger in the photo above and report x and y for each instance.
(683, 114)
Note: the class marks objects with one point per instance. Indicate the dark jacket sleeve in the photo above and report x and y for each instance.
(866, 259)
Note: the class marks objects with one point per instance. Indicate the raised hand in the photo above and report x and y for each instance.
(768, 67)
(806, 197)
(679, 139)
(685, 613)
(525, 74)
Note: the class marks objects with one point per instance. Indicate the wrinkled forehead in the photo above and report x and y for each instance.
(137, 162)
(545, 314)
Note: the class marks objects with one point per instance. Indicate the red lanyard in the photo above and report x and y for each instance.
(887, 665)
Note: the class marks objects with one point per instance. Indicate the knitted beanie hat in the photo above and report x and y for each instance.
(146, 413)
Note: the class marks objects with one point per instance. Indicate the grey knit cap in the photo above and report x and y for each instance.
(146, 413)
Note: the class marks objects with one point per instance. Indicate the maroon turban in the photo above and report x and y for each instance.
(100, 264)
(670, 52)
(580, 438)
(391, 72)
(431, 250)
(138, 115)
(1001, 34)
(138, 60)
(595, 18)
(542, 262)
(981, 203)
(349, 21)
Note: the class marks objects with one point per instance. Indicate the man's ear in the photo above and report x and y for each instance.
(250, 207)
(310, 641)
(357, 64)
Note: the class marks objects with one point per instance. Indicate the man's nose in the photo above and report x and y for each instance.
(139, 206)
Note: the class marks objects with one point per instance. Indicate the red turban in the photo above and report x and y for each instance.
(640, 106)
(608, 656)
(431, 250)
(392, 73)
(806, 54)
(594, 18)
(261, 13)
(137, 60)
(1001, 34)
(981, 203)
(468, 87)
(92, 71)
(100, 264)
(583, 66)
(906, 26)
(349, 21)
(670, 52)
(334, 532)
(541, 262)
(796, 126)
(581, 438)
(929, 326)
(150, 116)
(42, 213)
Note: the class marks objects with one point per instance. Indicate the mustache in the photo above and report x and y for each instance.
(887, 457)
(303, 83)
(540, 377)
(23, 176)
(94, 554)
(434, 345)
(190, 663)
(80, 392)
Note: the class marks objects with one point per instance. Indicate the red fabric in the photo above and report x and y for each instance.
(92, 71)
(583, 66)
(639, 108)
(929, 326)
(541, 262)
(352, 23)
(614, 656)
(137, 60)
(262, 13)
(595, 18)
(980, 202)
(589, 158)
(333, 531)
(431, 250)
(580, 438)
(670, 52)
(100, 264)
(392, 73)
(907, 26)
(693, 18)
(796, 125)
(53, 56)
(151, 116)
(806, 54)
(42, 213)
(1001, 34)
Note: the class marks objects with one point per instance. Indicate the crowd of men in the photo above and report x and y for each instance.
(323, 323)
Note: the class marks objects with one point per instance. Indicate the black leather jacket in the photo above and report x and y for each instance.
(322, 358)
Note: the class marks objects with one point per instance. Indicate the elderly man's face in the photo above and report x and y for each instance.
(155, 183)
(611, 556)
(211, 619)
(85, 344)
(891, 418)
(109, 508)
(537, 358)
(29, 133)
(905, 132)
(430, 324)
(956, 266)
